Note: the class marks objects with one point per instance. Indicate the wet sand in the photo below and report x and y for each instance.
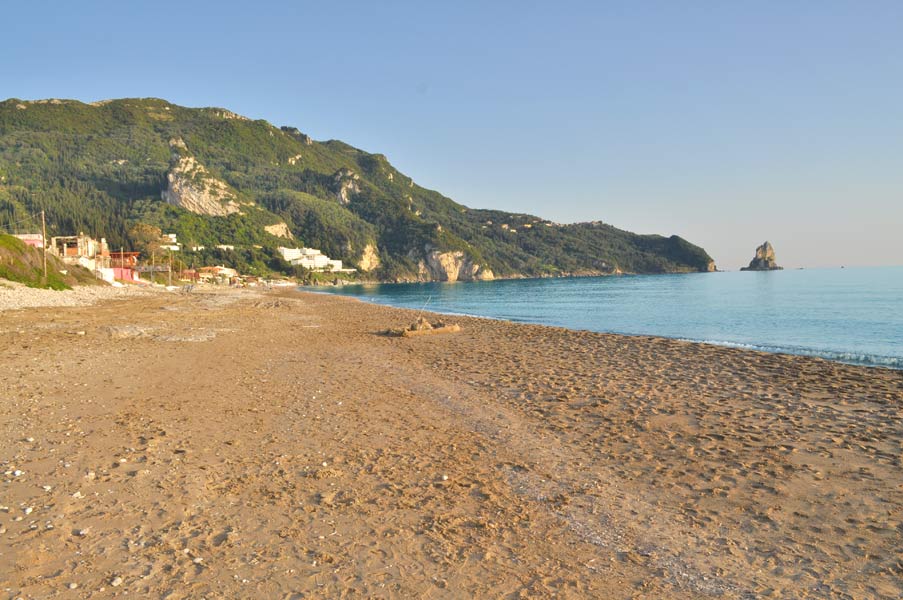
(269, 445)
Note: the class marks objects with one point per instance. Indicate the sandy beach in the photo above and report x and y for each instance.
(276, 445)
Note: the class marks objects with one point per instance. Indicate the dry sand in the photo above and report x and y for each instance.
(253, 445)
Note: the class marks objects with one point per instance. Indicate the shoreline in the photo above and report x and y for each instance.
(874, 361)
(284, 442)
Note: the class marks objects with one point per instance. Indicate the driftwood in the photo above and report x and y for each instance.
(423, 327)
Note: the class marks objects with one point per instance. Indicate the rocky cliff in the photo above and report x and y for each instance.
(192, 187)
(279, 230)
(369, 259)
(451, 266)
(764, 259)
(347, 182)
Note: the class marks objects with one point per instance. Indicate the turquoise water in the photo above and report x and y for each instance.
(851, 315)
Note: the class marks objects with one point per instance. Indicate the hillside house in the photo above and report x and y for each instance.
(84, 251)
(189, 275)
(311, 258)
(170, 242)
(218, 274)
(72, 248)
(35, 240)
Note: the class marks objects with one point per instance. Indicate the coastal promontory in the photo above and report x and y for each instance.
(233, 190)
(764, 259)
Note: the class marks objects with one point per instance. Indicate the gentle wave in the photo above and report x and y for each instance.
(853, 315)
(853, 358)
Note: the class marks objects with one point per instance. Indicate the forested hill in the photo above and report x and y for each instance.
(113, 168)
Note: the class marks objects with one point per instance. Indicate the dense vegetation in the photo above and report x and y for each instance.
(100, 168)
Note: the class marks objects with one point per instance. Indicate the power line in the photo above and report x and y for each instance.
(31, 219)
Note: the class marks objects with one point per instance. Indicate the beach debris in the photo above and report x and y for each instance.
(124, 332)
(423, 327)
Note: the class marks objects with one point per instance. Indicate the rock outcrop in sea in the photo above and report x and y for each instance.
(764, 259)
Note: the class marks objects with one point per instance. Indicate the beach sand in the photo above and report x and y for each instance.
(276, 445)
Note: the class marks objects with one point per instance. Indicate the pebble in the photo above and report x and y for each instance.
(81, 296)
(28, 510)
(445, 478)
(78, 494)
(82, 532)
(73, 585)
(198, 560)
(18, 473)
(46, 488)
(29, 439)
(116, 581)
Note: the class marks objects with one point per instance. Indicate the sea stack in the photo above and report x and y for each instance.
(764, 259)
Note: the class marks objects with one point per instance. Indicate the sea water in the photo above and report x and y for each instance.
(852, 315)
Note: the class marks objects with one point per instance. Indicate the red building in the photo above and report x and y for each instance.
(123, 265)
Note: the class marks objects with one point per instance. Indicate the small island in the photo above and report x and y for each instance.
(764, 259)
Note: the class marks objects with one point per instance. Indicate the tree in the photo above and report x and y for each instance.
(146, 238)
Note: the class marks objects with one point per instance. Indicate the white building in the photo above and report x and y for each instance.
(170, 242)
(310, 258)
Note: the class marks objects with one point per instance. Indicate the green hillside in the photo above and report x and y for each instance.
(102, 168)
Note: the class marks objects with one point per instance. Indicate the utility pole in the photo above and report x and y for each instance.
(44, 242)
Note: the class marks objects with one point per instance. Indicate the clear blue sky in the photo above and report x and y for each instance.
(727, 123)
